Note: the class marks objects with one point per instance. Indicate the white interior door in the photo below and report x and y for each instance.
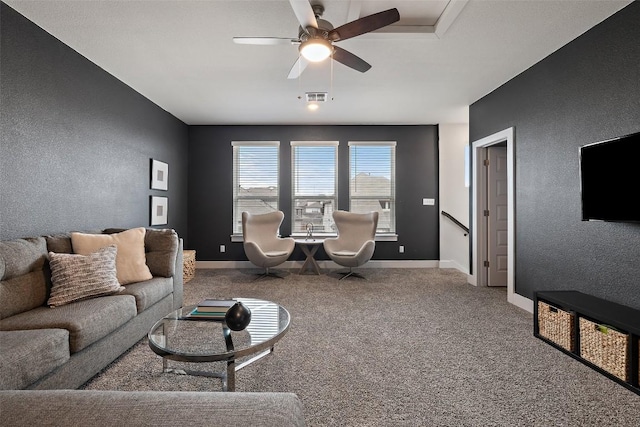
(497, 219)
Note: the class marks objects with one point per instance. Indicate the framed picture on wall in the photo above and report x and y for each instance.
(159, 210)
(159, 175)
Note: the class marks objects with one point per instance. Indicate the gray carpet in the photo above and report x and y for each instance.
(407, 347)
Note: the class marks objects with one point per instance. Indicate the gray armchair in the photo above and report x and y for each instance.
(355, 243)
(262, 245)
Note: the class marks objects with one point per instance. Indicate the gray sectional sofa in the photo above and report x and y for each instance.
(63, 347)
(43, 349)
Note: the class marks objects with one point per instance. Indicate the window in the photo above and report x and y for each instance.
(255, 179)
(314, 185)
(372, 176)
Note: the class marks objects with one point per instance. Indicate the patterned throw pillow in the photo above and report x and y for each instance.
(78, 277)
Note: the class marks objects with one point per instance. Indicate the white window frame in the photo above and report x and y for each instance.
(294, 198)
(391, 215)
(236, 233)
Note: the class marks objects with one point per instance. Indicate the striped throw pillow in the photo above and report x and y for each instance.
(79, 277)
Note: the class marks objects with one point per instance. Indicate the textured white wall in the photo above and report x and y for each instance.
(454, 196)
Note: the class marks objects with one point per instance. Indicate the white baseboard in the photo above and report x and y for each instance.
(471, 279)
(454, 265)
(324, 264)
(521, 302)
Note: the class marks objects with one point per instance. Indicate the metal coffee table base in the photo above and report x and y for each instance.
(228, 376)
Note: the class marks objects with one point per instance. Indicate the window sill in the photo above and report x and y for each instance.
(315, 235)
(386, 237)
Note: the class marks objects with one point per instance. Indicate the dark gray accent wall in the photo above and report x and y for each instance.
(587, 91)
(76, 142)
(211, 184)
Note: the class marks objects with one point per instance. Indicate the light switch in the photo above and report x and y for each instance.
(428, 202)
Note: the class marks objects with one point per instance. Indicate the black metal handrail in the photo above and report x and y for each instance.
(456, 222)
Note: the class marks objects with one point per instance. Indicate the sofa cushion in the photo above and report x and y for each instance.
(78, 277)
(23, 279)
(87, 321)
(149, 292)
(29, 355)
(131, 264)
(150, 408)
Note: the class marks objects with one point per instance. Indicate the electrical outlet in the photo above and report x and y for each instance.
(222, 248)
(401, 249)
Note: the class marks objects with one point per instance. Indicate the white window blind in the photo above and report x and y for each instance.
(255, 179)
(372, 181)
(314, 185)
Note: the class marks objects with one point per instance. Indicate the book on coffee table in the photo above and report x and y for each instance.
(198, 315)
(210, 309)
(214, 306)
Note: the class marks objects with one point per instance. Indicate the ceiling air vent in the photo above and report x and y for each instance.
(316, 96)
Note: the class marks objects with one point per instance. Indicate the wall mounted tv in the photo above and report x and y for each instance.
(610, 179)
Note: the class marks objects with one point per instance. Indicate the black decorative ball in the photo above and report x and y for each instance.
(238, 316)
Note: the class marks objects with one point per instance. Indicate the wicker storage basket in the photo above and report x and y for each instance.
(189, 264)
(556, 325)
(605, 347)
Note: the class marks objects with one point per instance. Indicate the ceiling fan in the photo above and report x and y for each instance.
(316, 36)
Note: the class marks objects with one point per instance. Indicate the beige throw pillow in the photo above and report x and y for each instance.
(131, 264)
(79, 277)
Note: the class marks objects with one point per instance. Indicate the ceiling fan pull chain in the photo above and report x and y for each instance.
(331, 84)
(299, 76)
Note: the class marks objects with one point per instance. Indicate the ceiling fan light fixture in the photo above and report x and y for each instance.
(316, 50)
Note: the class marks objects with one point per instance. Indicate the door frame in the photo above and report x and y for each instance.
(479, 229)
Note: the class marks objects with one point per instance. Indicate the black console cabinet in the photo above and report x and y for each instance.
(622, 318)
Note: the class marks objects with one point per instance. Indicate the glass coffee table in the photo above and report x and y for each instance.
(175, 337)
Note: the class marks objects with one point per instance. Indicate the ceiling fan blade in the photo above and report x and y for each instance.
(264, 40)
(350, 60)
(364, 25)
(298, 68)
(304, 13)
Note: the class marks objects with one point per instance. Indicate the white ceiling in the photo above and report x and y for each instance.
(180, 54)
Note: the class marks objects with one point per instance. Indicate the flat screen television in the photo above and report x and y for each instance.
(610, 179)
